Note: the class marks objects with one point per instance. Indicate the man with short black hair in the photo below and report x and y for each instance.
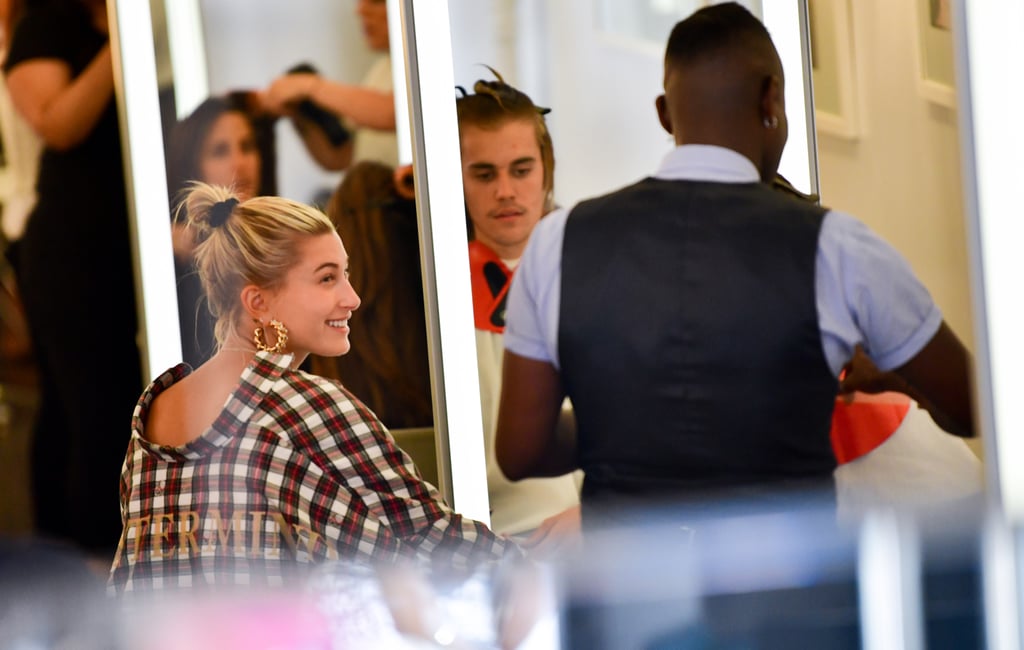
(698, 319)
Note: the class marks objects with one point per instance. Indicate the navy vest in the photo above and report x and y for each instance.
(689, 341)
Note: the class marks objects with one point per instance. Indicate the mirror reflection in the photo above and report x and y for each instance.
(277, 122)
(72, 265)
(315, 121)
(605, 140)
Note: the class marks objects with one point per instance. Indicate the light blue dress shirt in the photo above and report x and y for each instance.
(865, 290)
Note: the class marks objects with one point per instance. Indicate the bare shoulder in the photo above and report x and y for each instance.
(187, 409)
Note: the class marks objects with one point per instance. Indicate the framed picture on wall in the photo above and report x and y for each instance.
(832, 67)
(934, 34)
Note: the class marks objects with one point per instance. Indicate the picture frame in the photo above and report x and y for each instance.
(935, 62)
(833, 68)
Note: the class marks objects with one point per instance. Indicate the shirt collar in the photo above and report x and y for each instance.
(705, 162)
(256, 382)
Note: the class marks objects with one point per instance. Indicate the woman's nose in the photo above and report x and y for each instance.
(349, 298)
(241, 158)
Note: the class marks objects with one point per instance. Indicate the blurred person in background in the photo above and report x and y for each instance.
(74, 269)
(217, 143)
(367, 108)
(388, 366)
(20, 147)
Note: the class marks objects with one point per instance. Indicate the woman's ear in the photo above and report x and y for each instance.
(254, 302)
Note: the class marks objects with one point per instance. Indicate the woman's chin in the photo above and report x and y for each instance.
(334, 350)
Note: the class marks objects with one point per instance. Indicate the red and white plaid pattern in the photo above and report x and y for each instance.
(294, 471)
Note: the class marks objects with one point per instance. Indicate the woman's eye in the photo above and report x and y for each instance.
(327, 278)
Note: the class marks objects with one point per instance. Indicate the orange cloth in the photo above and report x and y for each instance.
(490, 279)
(865, 423)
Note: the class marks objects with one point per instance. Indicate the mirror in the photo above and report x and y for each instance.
(597, 64)
(231, 51)
(524, 40)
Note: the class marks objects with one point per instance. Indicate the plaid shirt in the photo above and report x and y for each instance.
(294, 471)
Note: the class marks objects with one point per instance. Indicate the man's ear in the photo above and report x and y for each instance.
(254, 302)
(772, 98)
(663, 116)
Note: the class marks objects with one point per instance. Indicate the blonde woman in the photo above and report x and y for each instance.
(248, 470)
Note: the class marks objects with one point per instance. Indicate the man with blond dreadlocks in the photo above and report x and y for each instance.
(508, 169)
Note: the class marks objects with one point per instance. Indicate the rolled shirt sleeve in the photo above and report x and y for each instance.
(867, 293)
(531, 320)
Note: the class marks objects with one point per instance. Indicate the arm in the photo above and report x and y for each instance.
(529, 440)
(363, 107)
(320, 148)
(360, 454)
(939, 377)
(62, 110)
(556, 535)
(867, 293)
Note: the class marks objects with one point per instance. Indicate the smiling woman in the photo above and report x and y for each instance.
(248, 436)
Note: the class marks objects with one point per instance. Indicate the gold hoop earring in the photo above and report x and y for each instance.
(260, 339)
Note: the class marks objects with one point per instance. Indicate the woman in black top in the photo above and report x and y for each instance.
(75, 269)
(221, 142)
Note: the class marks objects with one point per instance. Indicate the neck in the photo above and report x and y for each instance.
(505, 252)
(232, 359)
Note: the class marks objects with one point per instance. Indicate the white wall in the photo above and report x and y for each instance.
(901, 175)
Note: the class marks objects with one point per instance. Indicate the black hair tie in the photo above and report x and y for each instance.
(220, 212)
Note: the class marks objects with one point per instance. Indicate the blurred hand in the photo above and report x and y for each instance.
(525, 596)
(182, 242)
(555, 536)
(861, 374)
(288, 90)
(405, 182)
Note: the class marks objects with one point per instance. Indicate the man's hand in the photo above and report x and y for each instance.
(861, 374)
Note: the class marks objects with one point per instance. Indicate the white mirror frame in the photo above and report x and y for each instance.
(986, 36)
(458, 423)
(135, 86)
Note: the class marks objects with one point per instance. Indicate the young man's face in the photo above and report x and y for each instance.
(503, 177)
